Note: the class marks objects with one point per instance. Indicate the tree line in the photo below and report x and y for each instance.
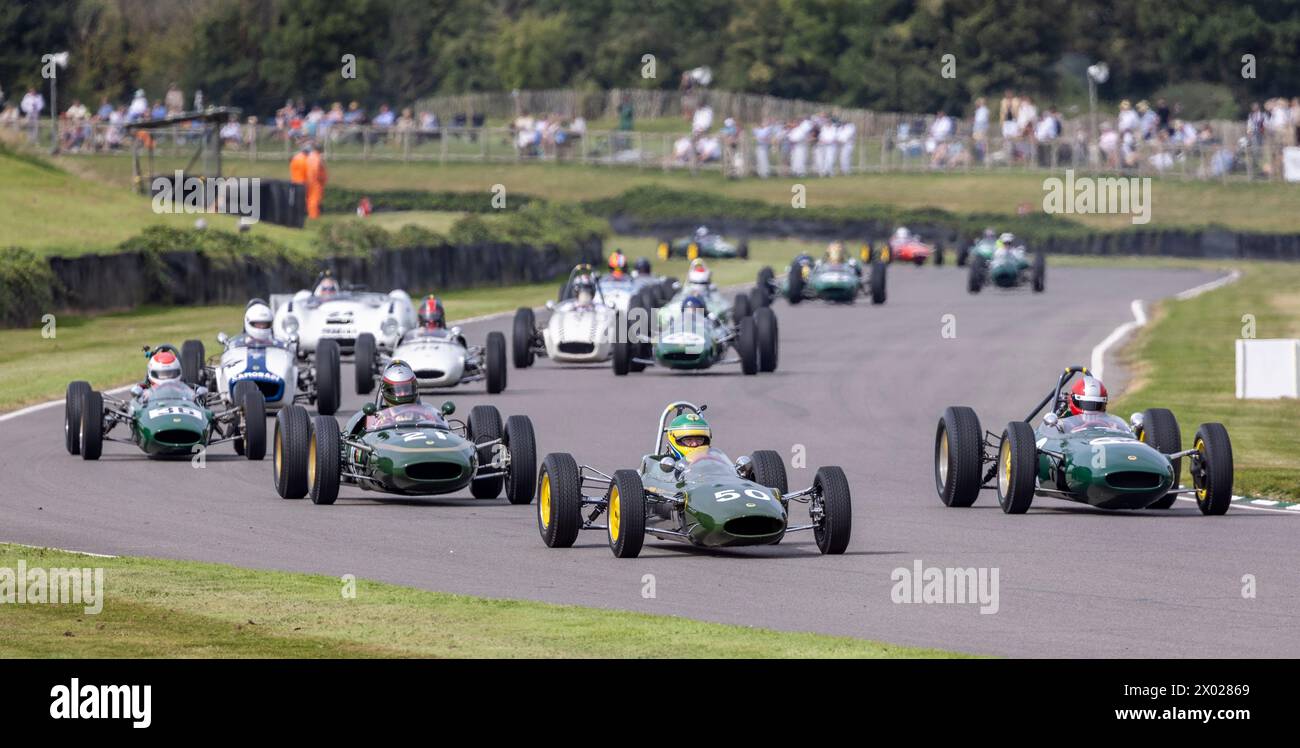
(878, 54)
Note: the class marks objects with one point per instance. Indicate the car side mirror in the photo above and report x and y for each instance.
(1050, 419)
(667, 464)
(369, 409)
(1135, 421)
(222, 338)
(447, 408)
(136, 390)
(744, 466)
(456, 331)
(200, 391)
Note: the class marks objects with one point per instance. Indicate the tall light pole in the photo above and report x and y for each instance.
(1098, 73)
(52, 63)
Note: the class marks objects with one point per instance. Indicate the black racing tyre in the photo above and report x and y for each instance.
(765, 329)
(963, 255)
(289, 452)
(747, 345)
(1039, 271)
(938, 255)
(975, 277)
(769, 470)
(329, 392)
(794, 284)
(1211, 468)
(831, 496)
(742, 307)
(641, 308)
(878, 282)
(1160, 429)
(1017, 468)
(958, 456)
(495, 360)
(622, 349)
(764, 284)
(742, 249)
(192, 356)
(251, 442)
(323, 460)
(625, 513)
(521, 338)
(521, 443)
(484, 425)
(72, 399)
(758, 297)
(92, 425)
(559, 500)
(364, 358)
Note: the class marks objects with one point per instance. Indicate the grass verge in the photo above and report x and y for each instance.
(158, 608)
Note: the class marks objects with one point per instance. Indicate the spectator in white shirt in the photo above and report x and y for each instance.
(845, 135)
(763, 136)
(1128, 120)
(139, 108)
(702, 120)
(32, 105)
(799, 137)
(826, 147)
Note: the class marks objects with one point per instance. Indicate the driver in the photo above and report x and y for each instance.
(1088, 395)
(699, 279)
(584, 292)
(617, 264)
(163, 367)
(901, 236)
(398, 385)
(642, 269)
(701, 233)
(432, 315)
(328, 288)
(835, 253)
(990, 235)
(689, 437)
(257, 321)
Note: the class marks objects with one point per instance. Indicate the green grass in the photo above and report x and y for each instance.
(174, 609)
(1185, 361)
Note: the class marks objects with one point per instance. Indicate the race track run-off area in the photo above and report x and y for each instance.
(861, 387)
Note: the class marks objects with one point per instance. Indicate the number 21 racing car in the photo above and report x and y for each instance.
(834, 278)
(441, 357)
(690, 492)
(398, 445)
(166, 416)
(1081, 453)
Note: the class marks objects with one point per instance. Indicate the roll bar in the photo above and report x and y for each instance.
(673, 410)
(1055, 394)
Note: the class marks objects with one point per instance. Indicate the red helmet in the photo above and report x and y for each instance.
(1088, 395)
(431, 314)
(163, 367)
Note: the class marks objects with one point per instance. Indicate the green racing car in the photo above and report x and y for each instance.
(690, 492)
(1081, 453)
(1005, 264)
(703, 243)
(834, 278)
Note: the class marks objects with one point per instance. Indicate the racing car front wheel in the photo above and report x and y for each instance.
(251, 442)
(975, 279)
(521, 444)
(521, 337)
(328, 392)
(559, 500)
(72, 399)
(1040, 271)
(938, 255)
(747, 345)
(1017, 468)
(192, 355)
(625, 509)
(323, 460)
(763, 286)
(484, 425)
(92, 425)
(794, 284)
(832, 501)
(1211, 468)
(958, 456)
(289, 452)
(766, 332)
(496, 362)
(877, 282)
(363, 363)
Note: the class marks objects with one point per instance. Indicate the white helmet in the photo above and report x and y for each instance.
(257, 320)
(163, 366)
(699, 272)
(903, 233)
(1007, 239)
(701, 232)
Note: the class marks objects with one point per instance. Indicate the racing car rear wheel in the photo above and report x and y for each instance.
(1160, 429)
(484, 425)
(328, 395)
(1211, 468)
(763, 287)
(742, 249)
(938, 255)
(794, 284)
(640, 311)
(1040, 271)
(832, 501)
(192, 362)
(742, 307)
(92, 425)
(289, 451)
(1017, 468)
(877, 282)
(622, 357)
(769, 470)
(766, 332)
(963, 254)
(496, 362)
(559, 500)
(323, 460)
(72, 399)
(975, 278)
(522, 446)
(251, 441)
(692, 251)
(521, 337)
(363, 359)
(958, 456)
(625, 510)
(747, 345)
(665, 249)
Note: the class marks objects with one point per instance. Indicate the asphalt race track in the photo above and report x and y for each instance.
(861, 387)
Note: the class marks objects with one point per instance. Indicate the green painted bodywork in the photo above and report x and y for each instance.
(1096, 458)
(838, 282)
(712, 246)
(394, 450)
(984, 249)
(711, 517)
(1005, 268)
(688, 341)
(170, 422)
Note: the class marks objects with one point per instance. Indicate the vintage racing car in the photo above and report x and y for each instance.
(405, 449)
(1009, 266)
(904, 246)
(981, 247)
(1081, 453)
(834, 278)
(441, 357)
(580, 327)
(703, 243)
(688, 491)
(165, 415)
(343, 315)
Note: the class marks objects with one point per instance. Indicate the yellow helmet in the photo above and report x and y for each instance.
(689, 436)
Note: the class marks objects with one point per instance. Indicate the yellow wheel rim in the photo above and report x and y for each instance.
(663, 251)
(1200, 490)
(544, 502)
(615, 514)
(1004, 475)
(311, 461)
(693, 251)
(884, 254)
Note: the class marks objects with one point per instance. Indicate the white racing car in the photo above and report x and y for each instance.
(270, 363)
(342, 316)
(439, 356)
(581, 324)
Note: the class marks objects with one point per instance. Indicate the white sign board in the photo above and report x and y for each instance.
(1268, 369)
(1291, 164)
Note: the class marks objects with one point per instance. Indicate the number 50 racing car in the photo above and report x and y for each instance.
(689, 492)
(1083, 455)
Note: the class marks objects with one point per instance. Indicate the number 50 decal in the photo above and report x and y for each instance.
(731, 494)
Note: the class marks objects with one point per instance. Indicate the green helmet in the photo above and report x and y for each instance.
(689, 436)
